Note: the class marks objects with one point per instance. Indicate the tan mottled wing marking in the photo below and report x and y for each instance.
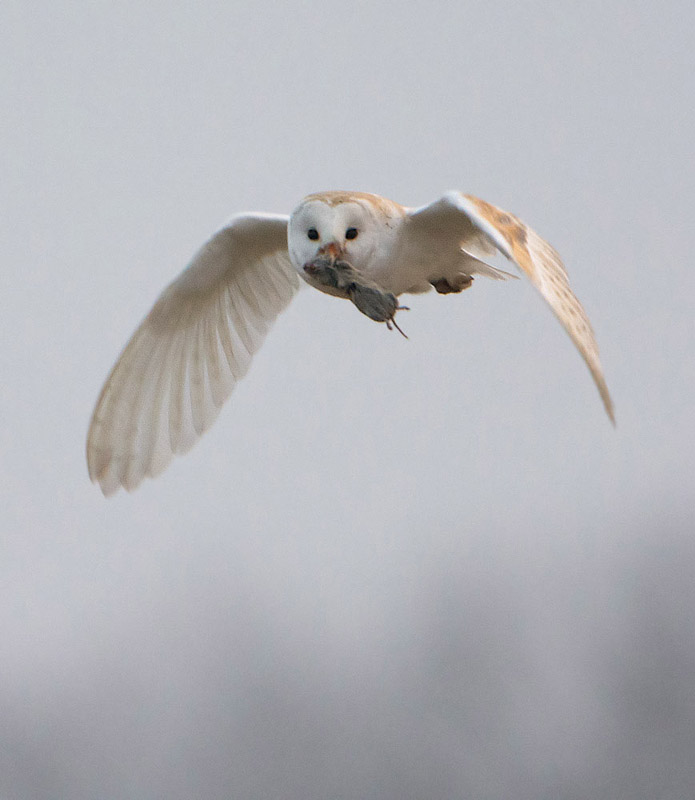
(546, 271)
(187, 355)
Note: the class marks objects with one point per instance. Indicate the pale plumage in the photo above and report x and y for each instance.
(183, 361)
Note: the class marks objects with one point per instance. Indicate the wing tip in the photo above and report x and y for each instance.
(608, 405)
(103, 469)
(602, 386)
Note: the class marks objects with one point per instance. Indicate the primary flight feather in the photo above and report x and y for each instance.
(186, 356)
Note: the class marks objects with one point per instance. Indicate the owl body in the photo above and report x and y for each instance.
(198, 340)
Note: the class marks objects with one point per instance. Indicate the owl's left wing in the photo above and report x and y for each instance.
(189, 352)
(479, 225)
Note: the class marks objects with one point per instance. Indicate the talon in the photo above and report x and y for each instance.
(443, 286)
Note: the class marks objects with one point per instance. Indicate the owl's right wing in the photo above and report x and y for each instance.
(456, 221)
(183, 361)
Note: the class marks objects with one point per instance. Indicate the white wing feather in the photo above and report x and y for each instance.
(183, 361)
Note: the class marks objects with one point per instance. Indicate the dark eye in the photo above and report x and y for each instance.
(313, 234)
(351, 233)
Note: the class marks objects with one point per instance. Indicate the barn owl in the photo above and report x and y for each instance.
(198, 340)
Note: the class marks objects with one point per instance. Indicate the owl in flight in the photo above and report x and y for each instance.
(183, 361)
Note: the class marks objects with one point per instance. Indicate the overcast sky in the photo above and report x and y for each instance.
(393, 569)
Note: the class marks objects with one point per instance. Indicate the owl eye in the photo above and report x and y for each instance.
(313, 234)
(351, 233)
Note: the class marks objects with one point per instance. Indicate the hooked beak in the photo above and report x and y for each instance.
(332, 249)
(324, 261)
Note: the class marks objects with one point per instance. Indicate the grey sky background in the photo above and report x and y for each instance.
(424, 568)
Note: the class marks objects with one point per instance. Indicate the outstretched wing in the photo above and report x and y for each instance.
(183, 361)
(534, 256)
